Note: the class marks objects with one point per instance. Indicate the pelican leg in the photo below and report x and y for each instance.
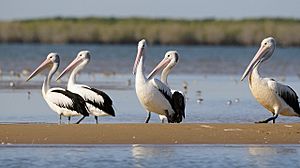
(80, 120)
(269, 119)
(148, 118)
(60, 119)
(69, 119)
(96, 118)
(168, 117)
(274, 117)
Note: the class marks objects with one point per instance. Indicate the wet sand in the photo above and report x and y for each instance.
(150, 134)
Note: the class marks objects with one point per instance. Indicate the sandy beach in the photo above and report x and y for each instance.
(150, 134)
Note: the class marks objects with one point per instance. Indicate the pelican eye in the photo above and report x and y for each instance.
(266, 43)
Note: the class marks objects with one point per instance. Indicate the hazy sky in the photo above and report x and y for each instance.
(191, 9)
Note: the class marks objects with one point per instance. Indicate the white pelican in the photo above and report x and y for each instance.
(154, 95)
(167, 64)
(274, 96)
(62, 101)
(98, 102)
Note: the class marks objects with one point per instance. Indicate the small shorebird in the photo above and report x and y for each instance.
(154, 95)
(167, 64)
(62, 101)
(98, 102)
(274, 96)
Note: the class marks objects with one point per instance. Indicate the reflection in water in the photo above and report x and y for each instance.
(265, 156)
(263, 151)
(183, 156)
(143, 154)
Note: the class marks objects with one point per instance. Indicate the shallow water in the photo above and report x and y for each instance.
(225, 100)
(211, 73)
(120, 58)
(150, 156)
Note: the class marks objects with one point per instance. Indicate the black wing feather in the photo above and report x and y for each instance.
(78, 102)
(106, 106)
(179, 103)
(290, 99)
(176, 105)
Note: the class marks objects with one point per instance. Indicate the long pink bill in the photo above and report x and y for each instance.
(39, 69)
(70, 67)
(159, 67)
(137, 59)
(258, 56)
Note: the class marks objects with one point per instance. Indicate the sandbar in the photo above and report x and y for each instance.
(184, 133)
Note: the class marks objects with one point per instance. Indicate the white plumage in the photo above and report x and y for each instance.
(167, 64)
(154, 95)
(59, 102)
(63, 102)
(274, 96)
(98, 102)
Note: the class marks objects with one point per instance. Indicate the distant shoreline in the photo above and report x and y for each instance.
(156, 31)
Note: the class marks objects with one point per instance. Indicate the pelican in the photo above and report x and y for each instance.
(274, 96)
(62, 101)
(167, 64)
(98, 102)
(154, 95)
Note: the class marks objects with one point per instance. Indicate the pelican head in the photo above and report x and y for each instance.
(140, 52)
(265, 51)
(52, 59)
(170, 60)
(82, 58)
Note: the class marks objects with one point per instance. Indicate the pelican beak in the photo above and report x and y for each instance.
(258, 56)
(71, 66)
(139, 55)
(39, 69)
(163, 63)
